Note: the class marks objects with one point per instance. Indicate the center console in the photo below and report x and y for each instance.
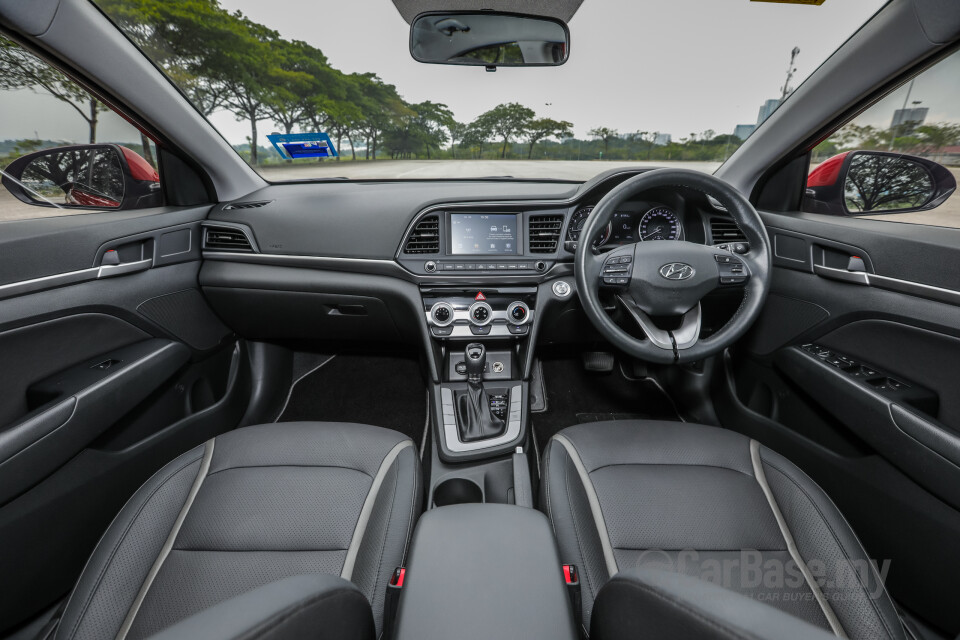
(484, 271)
(481, 340)
(481, 395)
(484, 571)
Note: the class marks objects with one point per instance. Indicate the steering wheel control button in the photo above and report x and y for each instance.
(518, 312)
(616, 271)
(441, 313)
(480, 313)
(561, 289)
(732, 270)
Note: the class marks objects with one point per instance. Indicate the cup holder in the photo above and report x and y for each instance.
(456, 491)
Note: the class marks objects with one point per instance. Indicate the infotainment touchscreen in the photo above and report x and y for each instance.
(493, 234)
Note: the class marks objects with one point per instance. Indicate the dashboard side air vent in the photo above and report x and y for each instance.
(543, 233)
(723, 230)
(425, 237)
(247, 205)
(226, 239)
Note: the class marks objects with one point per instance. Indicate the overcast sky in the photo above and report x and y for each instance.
(675, 66)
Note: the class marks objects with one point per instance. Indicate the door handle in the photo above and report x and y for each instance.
(110, 270)
(844, 275)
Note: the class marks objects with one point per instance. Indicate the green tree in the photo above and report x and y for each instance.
(939, 135)
(430, 124)
(188, 39)
(23, 70)
(305, 74)
(477, 134)
(457, 131)
(605, 135)
(381, 109)
(506, 121)
(250, 73)
(541, 128)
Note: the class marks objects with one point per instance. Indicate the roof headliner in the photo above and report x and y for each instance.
(562, 9)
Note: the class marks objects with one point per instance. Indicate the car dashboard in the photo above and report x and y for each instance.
(430, 262)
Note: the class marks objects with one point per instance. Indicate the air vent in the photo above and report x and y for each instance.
(543, 233)
(226, 239)
(247, 205)
(723, 230)
(425, 237)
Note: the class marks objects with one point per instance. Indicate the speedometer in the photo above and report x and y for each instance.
(660, 223)
(577, 221)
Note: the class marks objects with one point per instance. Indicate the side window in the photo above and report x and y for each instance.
(62, 151)
(899, 160)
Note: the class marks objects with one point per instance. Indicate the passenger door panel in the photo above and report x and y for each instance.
(111, 364)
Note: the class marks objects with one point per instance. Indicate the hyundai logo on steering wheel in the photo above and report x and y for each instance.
(677, 271)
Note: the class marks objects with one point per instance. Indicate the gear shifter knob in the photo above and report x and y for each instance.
(475, 359)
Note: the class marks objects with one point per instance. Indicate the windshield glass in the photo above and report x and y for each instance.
(646, 83)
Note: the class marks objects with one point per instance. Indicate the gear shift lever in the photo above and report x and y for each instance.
(474, 418)
(475, 359)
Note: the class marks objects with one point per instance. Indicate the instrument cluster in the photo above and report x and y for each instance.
(646, 223)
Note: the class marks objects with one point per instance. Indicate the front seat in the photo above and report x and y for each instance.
(247, 509)
(631, 496)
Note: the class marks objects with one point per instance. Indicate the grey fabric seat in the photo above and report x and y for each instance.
(249, 508)
(713, 504)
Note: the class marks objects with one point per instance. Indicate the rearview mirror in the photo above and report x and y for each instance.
(858, 183)
(489, 39)
(89, 176)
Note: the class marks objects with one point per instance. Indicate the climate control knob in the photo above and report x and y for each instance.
(441, 313)
(480, 313)
(518, 312)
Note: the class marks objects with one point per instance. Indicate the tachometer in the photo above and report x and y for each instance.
(577, 221)
(660, 223)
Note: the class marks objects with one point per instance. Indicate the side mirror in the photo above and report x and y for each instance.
(858, 183)
(89, 176)
(489, 39)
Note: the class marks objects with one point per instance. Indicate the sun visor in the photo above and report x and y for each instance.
(561, 9)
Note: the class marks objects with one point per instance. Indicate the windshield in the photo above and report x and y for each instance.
(310, 90)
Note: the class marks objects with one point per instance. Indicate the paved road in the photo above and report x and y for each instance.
(946, 215)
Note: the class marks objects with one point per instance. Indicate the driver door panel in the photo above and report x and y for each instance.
(856, 379)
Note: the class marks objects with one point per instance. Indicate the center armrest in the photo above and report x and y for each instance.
(481, 571)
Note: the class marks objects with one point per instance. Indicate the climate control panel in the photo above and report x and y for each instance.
(471, 313)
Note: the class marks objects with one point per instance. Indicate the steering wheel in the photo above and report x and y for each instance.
(663, 282)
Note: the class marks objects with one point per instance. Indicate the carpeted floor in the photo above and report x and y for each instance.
(386, 391)
(575, 395)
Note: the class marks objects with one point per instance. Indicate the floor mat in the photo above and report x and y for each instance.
(385, 391)
(575, 396)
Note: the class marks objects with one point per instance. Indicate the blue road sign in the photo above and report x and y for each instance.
(291, 146)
